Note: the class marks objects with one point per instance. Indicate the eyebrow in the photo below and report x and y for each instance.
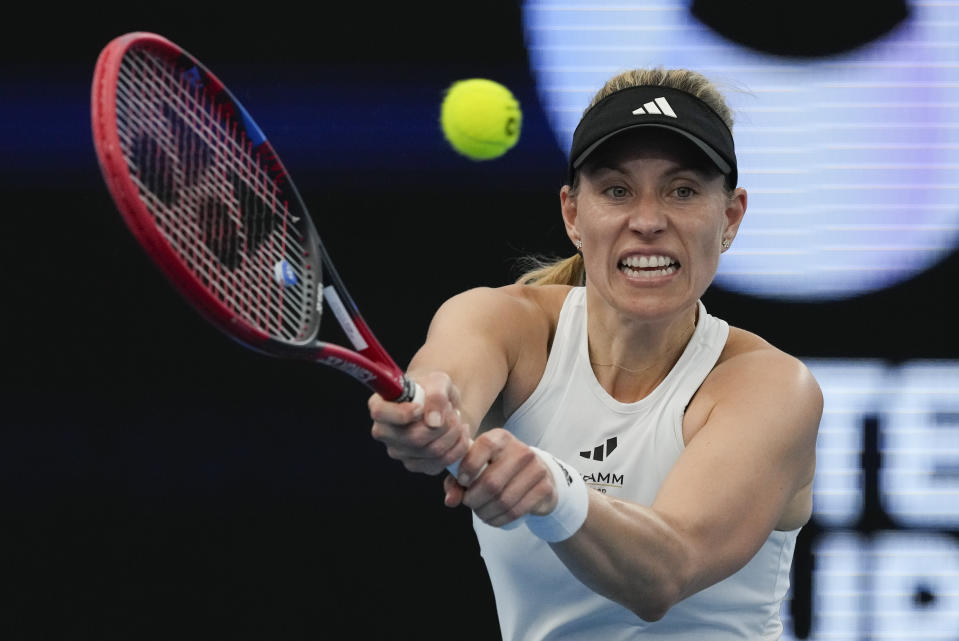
(704, 171)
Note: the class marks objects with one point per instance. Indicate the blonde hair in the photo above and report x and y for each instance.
(572, 271)
(558, 271)
(692, 82)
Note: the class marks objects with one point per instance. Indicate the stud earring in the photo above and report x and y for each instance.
(579, 245)
(725, 244)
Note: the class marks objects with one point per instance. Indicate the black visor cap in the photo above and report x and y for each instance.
(655, 106)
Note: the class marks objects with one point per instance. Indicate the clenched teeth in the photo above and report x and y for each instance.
(648, 273)
(648, 266)
(647, 261)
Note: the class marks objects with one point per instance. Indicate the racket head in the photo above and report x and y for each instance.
(207, 197)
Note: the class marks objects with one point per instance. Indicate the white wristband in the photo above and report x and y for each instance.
(572, 502)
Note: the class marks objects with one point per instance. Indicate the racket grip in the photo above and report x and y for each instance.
(454, 468)
(412, 392)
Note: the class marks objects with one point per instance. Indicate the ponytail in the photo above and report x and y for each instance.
(563, 271)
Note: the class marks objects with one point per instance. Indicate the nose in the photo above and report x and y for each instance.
(647, 217)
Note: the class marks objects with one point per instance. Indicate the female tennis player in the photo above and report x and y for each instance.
(655, 465)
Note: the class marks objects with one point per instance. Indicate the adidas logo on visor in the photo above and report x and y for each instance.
(657, 106)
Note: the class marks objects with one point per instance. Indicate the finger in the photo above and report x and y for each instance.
(398, 413)
(406, 440)
(484, 450)
(411, 435)
(422, 465)
(513, 505)
(453, 445)
(440, 397)
(509, 489)
(453, 492)
(422, 449)
(419, 441)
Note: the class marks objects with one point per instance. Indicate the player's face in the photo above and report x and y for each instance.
(651, 212)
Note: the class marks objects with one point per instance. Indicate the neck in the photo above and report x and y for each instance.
(630, 356)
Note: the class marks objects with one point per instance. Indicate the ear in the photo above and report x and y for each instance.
(735, 210)
(567, 201)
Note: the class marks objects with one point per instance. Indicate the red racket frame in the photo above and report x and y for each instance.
(372, 366)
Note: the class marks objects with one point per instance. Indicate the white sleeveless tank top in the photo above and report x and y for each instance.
(626, 450)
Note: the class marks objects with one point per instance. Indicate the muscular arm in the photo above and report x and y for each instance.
(725, 495)
(469, 340)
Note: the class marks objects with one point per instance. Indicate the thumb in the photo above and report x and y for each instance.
(440, 397)
(454, 492)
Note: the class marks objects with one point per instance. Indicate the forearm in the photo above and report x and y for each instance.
(462, 367)
(478, 380)
(631, 555)
(476, 338)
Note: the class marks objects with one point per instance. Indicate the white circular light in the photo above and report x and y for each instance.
(851, 162)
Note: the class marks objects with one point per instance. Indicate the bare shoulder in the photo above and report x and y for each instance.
(748, 356)
(548, 298)
(514, 306)
(750, 371)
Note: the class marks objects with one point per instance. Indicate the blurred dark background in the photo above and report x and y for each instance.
(159, 481)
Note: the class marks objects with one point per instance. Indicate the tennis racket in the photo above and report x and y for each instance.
(209, 200)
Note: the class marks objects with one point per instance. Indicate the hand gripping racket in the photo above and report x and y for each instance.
(207, 197)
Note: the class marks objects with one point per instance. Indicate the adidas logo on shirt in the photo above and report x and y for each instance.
(602, 451)
(657, 106)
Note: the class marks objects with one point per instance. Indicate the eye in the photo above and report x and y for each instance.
(617, 191)
(685, 192)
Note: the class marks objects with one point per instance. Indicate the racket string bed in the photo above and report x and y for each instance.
(213, 208)
(209, 200)
(217, 207)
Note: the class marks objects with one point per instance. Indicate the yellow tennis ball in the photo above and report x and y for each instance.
(480, 118)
